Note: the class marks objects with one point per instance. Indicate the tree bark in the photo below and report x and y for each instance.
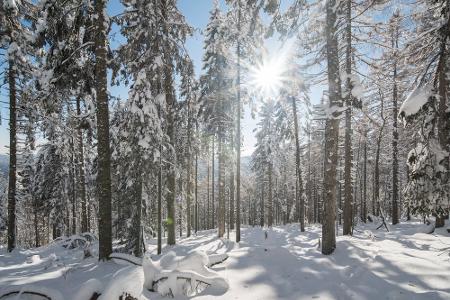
(196, 195)
(364, 204)
(213, 204)
(376, 182)
(443, 123)
(189, 173)
(180, 206)
(299, 195)
(137, 222)
(261, 220)
(270, 200)
(103, 147)
(82, 177)
(310, 184)
(221, 212)
(170, 103)
(348, 197)
(238, 136)
(331, 133)
(73, 188)
(36, 225)
(208, 198)
(376, 192)
(395, 36)
(188, 196)
(12, 157)
(159, 246)
(231, 206)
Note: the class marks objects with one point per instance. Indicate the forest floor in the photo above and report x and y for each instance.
(404, 263)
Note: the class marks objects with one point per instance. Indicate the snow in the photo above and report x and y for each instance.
(129, 280)
(88, 288)
(179, 275)
(415, 101)
(405, 263)
(126, 259)
(9, 5)
(18, 294)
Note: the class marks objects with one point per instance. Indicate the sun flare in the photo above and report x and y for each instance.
(267, 78)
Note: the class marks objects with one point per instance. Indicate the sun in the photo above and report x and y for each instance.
(267, 78)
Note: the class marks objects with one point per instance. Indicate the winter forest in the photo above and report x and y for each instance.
(224, 149)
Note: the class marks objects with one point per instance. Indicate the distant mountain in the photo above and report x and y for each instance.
(4, 164)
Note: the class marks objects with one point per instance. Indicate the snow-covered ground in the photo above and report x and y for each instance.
(373, 264)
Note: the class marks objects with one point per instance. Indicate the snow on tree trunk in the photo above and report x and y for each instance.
(12, 157)
(331, 132)
(348, 197)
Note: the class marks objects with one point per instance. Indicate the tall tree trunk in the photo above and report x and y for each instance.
(287, 197)
(137, 222)
(270, 204)
(316, 204)
(221, 212)
(67, 218)
(188, 193)
(358, 177)
(89, 207)
(159, 246)
(170, 103)
(189, 174)
(443, 123)
(310, 185)
(208, 198)
(348, 198)
(36, 224)
(395, 133)
(376, 192)
(299, 195)
(261, 220)
(103, 148)
(231, 206)
(73, 188)
(364, 204)
(196, 195)
(238, 136)
(12, 157)
(408, 211)
(213, 183)
(180, 206)
(81, 174)
(331, 133)
(376, 183)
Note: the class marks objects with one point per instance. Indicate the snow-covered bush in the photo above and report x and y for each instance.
(176, 275)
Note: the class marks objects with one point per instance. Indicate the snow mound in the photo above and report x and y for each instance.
(89, 237)
(178, 275)
(215, 259)
(10, 5)
(33, 259)
(31, 292)
(88, 289)
(125, 259)
(128, 280)
(415, 101)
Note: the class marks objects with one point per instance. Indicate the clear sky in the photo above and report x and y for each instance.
(197, 15)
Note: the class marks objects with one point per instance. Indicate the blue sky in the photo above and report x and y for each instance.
(197, 15)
